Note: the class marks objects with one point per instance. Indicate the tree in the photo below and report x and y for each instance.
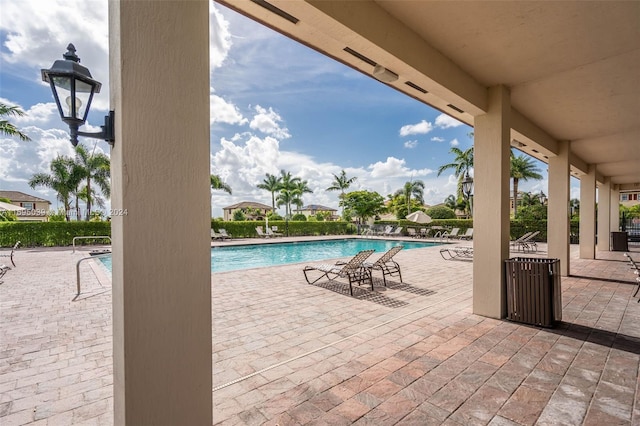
(272, 184)
(461, 165)
(64, 179)
(364, 204)
(287, 188)
(218, 183)
(415, 188)
(6, 127)
(522, 168)
(300, 187)
(95, 168)
(441, 212)
(341, 183)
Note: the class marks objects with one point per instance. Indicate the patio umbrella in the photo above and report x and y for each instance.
(419, 217)
(10, 207)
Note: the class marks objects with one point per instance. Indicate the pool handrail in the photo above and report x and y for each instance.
(78, 270)
(87, 237)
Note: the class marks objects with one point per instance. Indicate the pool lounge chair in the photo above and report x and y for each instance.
(412, 232)
(451, 234)
(272, 233)
(468, 235)
(396, 232)
(224, 234)
(3, 270)
(386, 265)
(215, 235)
(261, 233)
(10, 255)
(457, 253)
(527, 244)
(352, 270)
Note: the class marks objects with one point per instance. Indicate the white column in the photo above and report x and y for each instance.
(604, 214)
(558, 208)
(588, 214)
(614, 216)
(159, 74)
(491, 205)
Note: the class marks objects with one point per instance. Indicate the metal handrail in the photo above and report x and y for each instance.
(78, 270)
(87, 237)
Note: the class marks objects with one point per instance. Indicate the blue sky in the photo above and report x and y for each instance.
(275, 104)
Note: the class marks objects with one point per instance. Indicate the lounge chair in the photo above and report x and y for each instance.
(451, 234)
(396, 232)
(224, 234)
(457, 253)
(468, 235)
(272, 233)
(514, 243)
(386, 264)
(215, 235)
(412, 232)
(636, 267)
(10, 255)
(387, 230)
(3, 270)
(527, 244)
(352, 270)
(260, 232)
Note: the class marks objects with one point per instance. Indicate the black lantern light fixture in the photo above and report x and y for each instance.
(467, 189)
(73, 89)
(542, 198)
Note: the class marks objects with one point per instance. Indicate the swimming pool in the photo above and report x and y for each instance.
(234, 258)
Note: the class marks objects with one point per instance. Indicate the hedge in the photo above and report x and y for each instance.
(247, 228)
(49, 234)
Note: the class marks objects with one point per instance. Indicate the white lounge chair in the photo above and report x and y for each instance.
(468, 235)
(451, 234)
(224, 234)
(10, 255)
(3, 270)
(272, 233)
(261, 233)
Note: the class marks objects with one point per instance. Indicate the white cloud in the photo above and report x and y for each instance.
(454, 142)
(444, 121)
(222, 111)
(220, 38)
(437, 139)
(394, 167)
(411, 144)
(268, 122)
(420, 128)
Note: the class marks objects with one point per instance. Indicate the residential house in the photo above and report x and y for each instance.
(251, 209)
(314, 209)
(37, 209)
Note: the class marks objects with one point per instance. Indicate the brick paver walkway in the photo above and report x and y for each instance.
(289, 353)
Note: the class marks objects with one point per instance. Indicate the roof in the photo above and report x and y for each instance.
(252, 204)
(318, 207)
(20, 197)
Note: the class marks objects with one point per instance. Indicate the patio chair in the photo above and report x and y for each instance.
(451, 234)
(3, 270)
(387, 230)
(261, 233)
(224, 234)
(352, 270)
(457, 253)
(272, 233)
(10, 255)
(636, 267)
(527, 244)
(386, 265)
(412, 232)
(468, 235)
(215, 235)
(514, 243)
(396, 232)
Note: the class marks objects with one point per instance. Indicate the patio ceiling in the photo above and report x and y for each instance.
(572, 67)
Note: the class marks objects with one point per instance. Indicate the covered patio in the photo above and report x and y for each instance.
(289, 353)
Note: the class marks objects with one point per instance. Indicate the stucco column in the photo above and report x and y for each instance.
(604, 214)
(558, 208)
(614, 216)
(491, 205)
(588, 214)
(159, 78)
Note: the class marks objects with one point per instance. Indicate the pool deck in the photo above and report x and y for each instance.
(289, 353)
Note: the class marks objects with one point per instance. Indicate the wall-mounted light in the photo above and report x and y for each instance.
(73, 89)
(467, 189)
(384, 75)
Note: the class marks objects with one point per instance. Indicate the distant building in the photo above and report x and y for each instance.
(37, 209)
(251, 209)
(314, 209)
(629, 198)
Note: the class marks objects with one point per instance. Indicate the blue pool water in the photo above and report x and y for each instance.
(233, 258)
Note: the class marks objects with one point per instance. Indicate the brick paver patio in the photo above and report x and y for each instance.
(289, 353)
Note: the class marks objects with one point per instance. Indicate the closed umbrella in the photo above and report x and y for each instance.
(10, 207)
(419, 217)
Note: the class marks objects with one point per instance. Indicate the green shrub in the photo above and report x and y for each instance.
(441, 212)
(50, 234)
(299, 217)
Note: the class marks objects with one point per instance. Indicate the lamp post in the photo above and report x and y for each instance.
(542, 198)
(467, 188)
(73, 89)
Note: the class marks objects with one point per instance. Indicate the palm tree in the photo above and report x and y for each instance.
(522, 168)
(272, 184)
(7, 128)
(341, 183)
(287, 188)
(452, 202)
(218, 183)
(300, 187)
(461, 166)
(64, 179)
(413, 188)
(95, 168)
